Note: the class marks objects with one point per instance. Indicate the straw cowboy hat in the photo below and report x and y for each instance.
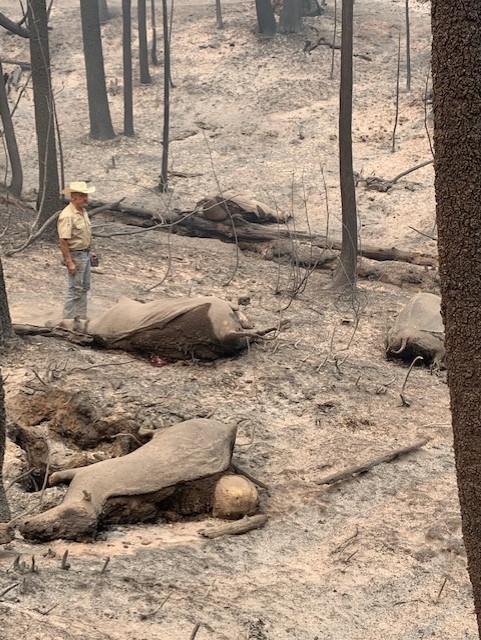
(78, 187)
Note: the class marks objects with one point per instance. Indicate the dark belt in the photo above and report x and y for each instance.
(79, 250)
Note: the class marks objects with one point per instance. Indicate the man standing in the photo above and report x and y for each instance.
(75, 234)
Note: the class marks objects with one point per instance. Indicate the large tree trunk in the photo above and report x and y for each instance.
(99, 112)
(346, 271)
(16, 166)
(127, 63)
(290, 20)
(266, 19)
(48, 199)
(143, 50)
(457, 137)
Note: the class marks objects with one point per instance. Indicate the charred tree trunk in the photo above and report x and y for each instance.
(16, 182)
(6, 330)
(127, 64)
(104, 13)
(99, 112)
(457, 139)
(345, 275)
(143, 50)
(48, 199)
(166, 126)
(13, 27)
(153, 55)
(266, 19)
(408, 49)
(218, 14)
(4, 510)
(290, 20)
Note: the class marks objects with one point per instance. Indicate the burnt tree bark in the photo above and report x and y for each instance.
(290, 20)
(4, 509)
(6, 332)
(104, 13)
(266, 19)
(99, 112)
(345, 275)
(164, 175)
(127, 67)
(16, 182)
(13, 27)
(408, 47)
(456, 51)
(48, 199)
(218, 14)
(153, 19)
(143, 50)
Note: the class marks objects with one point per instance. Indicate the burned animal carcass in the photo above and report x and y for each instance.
(418, 331)
(177, 471)
(173, 328)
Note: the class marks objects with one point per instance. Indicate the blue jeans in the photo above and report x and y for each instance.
(78, 285)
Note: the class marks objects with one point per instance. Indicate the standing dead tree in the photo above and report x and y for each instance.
(408, 49)
(99, 112)
(398, 75)
(127, 67)
(266, 19)
(290, 20)
(346, 271)
(218, 14)
(153, 20)
(143, 50)
(163, 182)
(104, 13)
(16, 182)
(6, 332)
(4, 510)
(48, 199)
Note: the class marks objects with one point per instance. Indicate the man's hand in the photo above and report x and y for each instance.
(71, 267)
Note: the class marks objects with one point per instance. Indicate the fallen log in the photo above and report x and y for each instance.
(311, 257)
(251, 232)
(240, 230)
(347, 474)
(23, 330)
(248, 523)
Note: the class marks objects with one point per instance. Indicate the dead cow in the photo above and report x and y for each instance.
(177, 470)
(223, 207)
(418, 331)
(172, 328)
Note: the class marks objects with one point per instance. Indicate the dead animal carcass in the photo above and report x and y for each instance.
(172, 328)
(222, 207)
(176, 471)
(418, 331)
